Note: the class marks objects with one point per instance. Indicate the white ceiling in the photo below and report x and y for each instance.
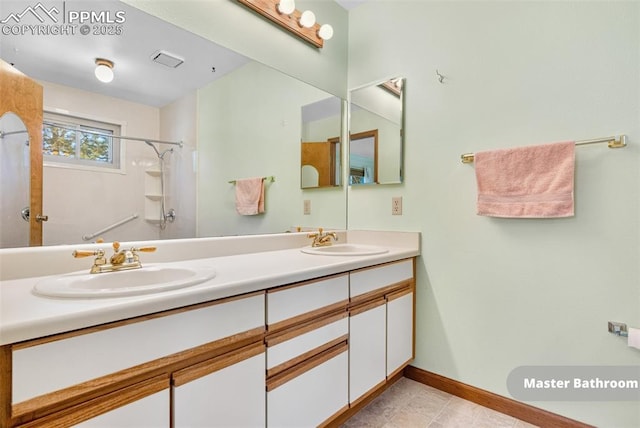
(70, 59)
(350, 4)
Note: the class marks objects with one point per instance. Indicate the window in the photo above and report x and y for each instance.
(81, 142)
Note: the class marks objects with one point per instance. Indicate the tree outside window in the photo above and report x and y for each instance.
(79, 141)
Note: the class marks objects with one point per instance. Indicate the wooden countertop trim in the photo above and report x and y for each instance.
(74, 395)
(381, 292)
(207, 367)
(307, 317)
(307, 365)
(366, 306)
(274, 371)
(273, 339)
(396, 294)
(97, 406)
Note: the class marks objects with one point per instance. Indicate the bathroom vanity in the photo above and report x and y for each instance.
(278, 337)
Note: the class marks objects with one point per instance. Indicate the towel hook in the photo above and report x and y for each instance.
(440, 76)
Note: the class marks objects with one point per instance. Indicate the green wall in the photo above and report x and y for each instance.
(495, 294)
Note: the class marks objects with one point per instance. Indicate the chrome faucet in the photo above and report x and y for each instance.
(321, 239)
(120, 260)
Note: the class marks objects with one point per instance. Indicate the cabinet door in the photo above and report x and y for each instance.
(367, 348)
(149, 412)
(399, 330)
(309, 398)
(227, 391)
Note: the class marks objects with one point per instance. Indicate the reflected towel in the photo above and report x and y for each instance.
(527, 182)
(250, 196)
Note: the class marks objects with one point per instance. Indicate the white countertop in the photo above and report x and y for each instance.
(25, 316)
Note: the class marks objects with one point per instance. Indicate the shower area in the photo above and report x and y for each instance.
(130, 204)
(156, 209)
(14, 182)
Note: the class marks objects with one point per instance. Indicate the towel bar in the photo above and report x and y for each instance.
(270, 179)
(618, 328)
(612, 143)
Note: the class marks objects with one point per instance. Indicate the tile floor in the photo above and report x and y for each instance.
(410, 404)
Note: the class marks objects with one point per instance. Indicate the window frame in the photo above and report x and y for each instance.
(79, 121)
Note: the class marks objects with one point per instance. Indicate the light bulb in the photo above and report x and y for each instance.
(307, 19)
(286, 7)
(104, 70)
(325, 32)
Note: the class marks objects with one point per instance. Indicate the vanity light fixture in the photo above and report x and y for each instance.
(393, 85)
(307, 19)
(286, 6)
(104, 70)
(285, 14)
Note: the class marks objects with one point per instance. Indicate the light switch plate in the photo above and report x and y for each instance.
(307, 207)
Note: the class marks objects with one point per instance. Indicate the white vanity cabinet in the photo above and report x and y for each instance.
(297, 355)
(400, 330)
(367, 348)
(307, 352)
(227, 391)
(381, 333)
(122, 371)
(149, 411)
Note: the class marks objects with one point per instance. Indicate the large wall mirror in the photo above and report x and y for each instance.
(236, 118)
(376, 142)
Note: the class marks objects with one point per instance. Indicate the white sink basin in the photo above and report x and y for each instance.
(345, 250)
(146, 280)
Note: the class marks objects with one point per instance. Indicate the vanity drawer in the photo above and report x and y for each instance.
(291, 347)
(378, 280)
(41, 367)
(294, 304)
(311, 393)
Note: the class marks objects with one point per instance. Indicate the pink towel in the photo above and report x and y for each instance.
(528, 182)
(250, 196)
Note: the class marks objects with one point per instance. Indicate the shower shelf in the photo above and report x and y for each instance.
(153, 195)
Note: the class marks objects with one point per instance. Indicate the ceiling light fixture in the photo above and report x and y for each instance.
(285, 14)
(104, 70)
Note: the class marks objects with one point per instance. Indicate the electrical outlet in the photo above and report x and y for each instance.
(396, 205)
(307, 207)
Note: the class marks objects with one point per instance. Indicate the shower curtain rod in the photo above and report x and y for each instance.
(121, 137)
(612, 143)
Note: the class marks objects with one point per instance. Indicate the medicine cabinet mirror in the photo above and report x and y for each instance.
(321, 162)
(376, 143)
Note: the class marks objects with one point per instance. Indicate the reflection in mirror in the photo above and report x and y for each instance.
(14, 186)
(236, 117)
(376, 142)
(321, 163)
(363, 157)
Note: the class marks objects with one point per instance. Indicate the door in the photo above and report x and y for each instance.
(23, 96)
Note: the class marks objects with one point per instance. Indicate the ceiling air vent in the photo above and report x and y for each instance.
(166, 58)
